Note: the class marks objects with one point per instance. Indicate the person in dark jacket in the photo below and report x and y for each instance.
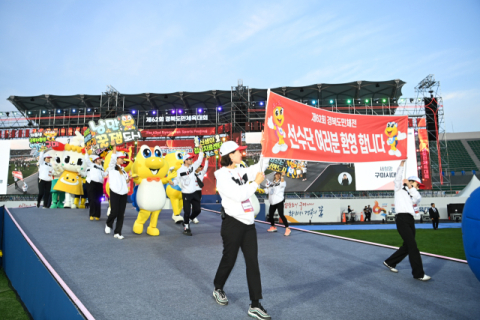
(434, 216)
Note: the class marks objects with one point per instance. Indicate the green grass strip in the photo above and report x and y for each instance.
(445, 242)
(10, 307)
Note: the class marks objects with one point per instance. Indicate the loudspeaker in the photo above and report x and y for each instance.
(431, 113)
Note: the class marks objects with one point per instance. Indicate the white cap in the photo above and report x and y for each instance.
(230, 146)
(47, 156)
(415, 178)
(120, 154)
(188, 156)
(94, 157)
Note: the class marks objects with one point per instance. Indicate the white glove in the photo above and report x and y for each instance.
(270, 123)
(401, 135)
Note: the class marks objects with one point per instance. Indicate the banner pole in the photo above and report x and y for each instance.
(265, 120)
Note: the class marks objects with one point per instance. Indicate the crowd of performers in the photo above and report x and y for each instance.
(177, 176)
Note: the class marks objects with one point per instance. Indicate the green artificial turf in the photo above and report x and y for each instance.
(445, 242)
(10, 307)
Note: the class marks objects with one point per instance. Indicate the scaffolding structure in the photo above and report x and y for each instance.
(429, 88)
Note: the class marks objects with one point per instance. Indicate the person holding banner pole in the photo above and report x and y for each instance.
(406, 196)
(276, 197)
(238, 225)
(45, 178)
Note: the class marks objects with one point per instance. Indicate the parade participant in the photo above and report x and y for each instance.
(45, 178)
(406, 196)
(200, 175)
(95, 176)
(187, 180)
(238, 226)
(25, 187)
(118, 179)
(276, 197)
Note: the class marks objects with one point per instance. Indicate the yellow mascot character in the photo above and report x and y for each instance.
(149, 195)
(174, 193)
(275, 122)
(393, 136)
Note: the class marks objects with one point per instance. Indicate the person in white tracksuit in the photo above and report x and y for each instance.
(187, 180)
(276, 198)
(406, 196)
(238, 225)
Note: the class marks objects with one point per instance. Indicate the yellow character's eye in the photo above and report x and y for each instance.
(124, 118)
(276, 112)
(281, 111)
(394, 124)
(129, 117)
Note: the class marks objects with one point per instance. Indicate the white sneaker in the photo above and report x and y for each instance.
(195, 220)
(107, 229)
(118, 236)
(391, 269)
(424, 278)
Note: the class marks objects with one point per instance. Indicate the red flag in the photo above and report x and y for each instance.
(17, 174)
(296, 131)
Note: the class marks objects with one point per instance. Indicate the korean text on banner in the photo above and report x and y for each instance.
(294, 130)
(117, 130)
(209, 145)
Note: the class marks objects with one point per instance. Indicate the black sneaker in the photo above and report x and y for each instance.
(258, 313)
(187, 232)
(220, 297)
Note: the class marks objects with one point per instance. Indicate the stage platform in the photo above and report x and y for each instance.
(304, 276)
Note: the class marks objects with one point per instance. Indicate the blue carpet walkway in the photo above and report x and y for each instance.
(304, 276)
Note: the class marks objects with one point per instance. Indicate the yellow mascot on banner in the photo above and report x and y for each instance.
(149, 195)
(174, 193)
(127, 166)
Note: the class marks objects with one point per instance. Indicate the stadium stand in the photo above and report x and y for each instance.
(458, 157)
(475, 145)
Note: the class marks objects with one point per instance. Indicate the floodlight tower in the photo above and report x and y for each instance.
(429, 103)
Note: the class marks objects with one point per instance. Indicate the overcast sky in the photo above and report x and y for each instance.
(74, 47)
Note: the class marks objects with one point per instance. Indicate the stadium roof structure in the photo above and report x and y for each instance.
(363, 97)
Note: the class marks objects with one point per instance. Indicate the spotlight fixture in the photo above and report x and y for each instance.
(134, 111)
(384, 100)
(366, 100)
(154, 112)
(73, 110)
(88, 110)
(261, 103)
(173, 111)
(331, 101)
(349, 101)
(180, 111)
(200, 110)
(29, 112)
(59, 111)
(219, 108)
(43, 111)
(314, 102)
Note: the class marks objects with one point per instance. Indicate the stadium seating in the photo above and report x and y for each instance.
(475, 145)
(458, 157)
